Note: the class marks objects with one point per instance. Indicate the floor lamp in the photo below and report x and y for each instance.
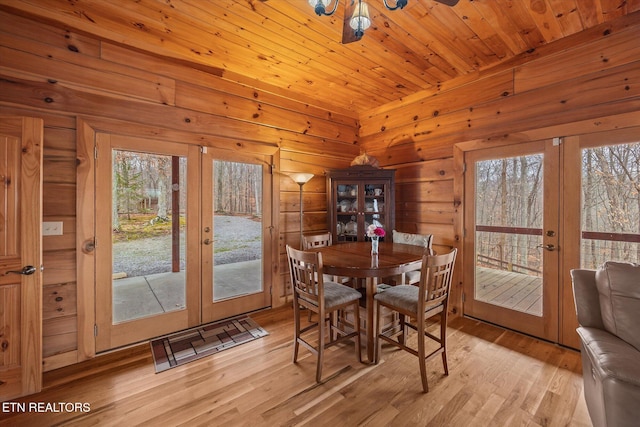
(301, 179)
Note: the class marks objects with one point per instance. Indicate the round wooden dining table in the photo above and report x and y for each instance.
(354, 259)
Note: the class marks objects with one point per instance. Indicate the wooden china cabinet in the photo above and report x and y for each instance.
(359, 196)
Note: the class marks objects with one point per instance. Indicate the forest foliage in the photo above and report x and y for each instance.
(509, 198)
(144, 184)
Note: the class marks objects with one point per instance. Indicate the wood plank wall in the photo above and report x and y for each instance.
(59, 76)
(572, 82)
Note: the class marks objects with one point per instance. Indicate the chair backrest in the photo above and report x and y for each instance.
(306, 276)
(586, 298)
(316, 241)
(436, 277)
(424, 240)
(617, 284)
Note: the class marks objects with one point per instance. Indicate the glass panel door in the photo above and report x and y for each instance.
(145, 275)
(597, 198)
(511, 222)
(236, 235)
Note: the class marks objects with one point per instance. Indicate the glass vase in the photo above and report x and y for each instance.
(374, 245)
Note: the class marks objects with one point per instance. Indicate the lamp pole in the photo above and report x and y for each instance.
(301, 179)
(301, 184)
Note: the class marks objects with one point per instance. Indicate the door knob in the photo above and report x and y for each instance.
(26, 271)
(547, 247)
(208, 241)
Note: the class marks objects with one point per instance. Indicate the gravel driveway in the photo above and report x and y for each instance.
(235, 239)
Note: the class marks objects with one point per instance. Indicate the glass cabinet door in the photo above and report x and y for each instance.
(358, 206)
(348, 212)
(374, 210)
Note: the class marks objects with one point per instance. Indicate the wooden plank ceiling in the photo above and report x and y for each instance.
(282, 46)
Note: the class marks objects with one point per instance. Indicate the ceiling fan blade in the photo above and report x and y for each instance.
(348, 34)
(448, 2)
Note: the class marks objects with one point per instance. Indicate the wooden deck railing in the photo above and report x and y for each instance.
(486, 261)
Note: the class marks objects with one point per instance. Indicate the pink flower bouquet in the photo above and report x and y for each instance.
(375, 231)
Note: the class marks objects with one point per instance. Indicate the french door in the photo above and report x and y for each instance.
(182, 237)
(535, 211)
(511, 237)
(236, 234)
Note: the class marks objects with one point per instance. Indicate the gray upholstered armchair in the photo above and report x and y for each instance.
(608, 307)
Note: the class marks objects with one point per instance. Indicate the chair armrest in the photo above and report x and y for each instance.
(614, 357)
(586, 298)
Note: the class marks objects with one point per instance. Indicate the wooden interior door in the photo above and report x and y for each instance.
(511, 252)
(20, 256)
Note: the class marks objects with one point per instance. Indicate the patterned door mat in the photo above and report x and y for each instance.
(193, 344)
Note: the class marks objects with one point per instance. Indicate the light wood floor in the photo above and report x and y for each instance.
(497, 378)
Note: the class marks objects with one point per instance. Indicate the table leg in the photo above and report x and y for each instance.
(371, 284)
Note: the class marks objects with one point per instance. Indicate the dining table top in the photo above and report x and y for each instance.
(354, 259)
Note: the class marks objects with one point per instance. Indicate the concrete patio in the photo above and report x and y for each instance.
(137, 297)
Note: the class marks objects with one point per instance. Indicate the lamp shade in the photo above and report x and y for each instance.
(301, 178)
(320, 6)
(360, 19)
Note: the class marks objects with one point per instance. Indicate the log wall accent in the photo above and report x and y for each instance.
(589, 80)
(578, 86)
(60, 76)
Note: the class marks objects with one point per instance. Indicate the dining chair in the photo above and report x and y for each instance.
(320, 241)
(424, 240)
(317, 240)
(419, 303)
(325, 298)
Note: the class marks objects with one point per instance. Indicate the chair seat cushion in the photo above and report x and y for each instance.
(619, 293)
(381, 287)
(336, 294)
(404, 297)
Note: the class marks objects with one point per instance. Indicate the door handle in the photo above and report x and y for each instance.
(207, 241)
(26, 270)
(547, 247)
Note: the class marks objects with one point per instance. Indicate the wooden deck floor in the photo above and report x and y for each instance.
(515, 291)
